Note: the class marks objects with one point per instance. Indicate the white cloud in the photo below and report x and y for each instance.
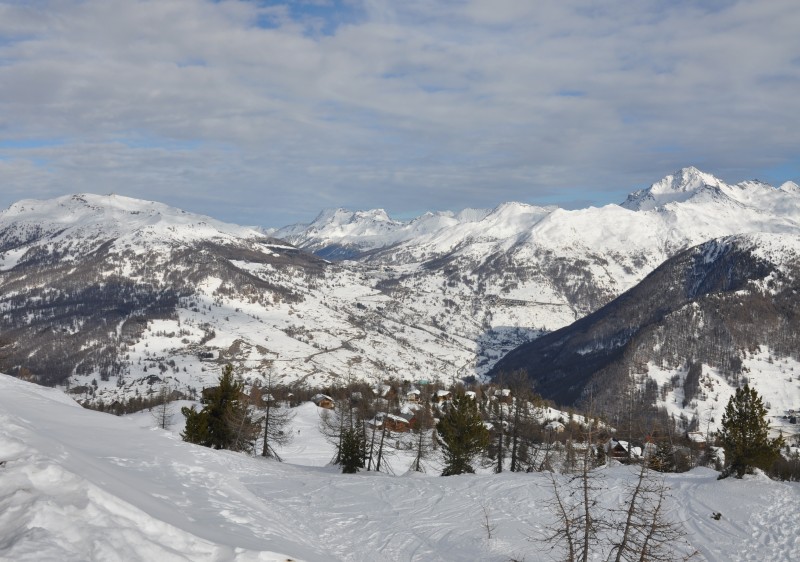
(404, 105)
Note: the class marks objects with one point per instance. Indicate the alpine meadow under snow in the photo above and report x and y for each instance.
(79, 485)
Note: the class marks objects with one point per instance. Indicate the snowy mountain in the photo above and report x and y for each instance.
(117, 296)
(701, 324)
(78, 485)
(343, 234)
(574, 261)
(114, 297)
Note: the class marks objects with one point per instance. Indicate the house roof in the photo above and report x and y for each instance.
(696, 437)
(382, 390)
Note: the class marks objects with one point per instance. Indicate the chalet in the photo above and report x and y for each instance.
(443, 396)
(384, 391)
(394, 423)
(413, 395)
(618, 449)
(471, 395)
(697, 438)
(503, 395)
(554, 426)
(208, 355)
(323, 401)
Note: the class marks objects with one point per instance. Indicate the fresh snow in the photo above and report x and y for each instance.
(77, 485)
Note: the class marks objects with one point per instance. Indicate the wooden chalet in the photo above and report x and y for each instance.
(323, 401)
(443, 396)
(392, 422)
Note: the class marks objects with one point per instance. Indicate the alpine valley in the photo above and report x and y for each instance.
(677, 293)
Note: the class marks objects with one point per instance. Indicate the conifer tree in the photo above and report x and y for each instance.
(745, 435)
(463, 435)
(352, 451)
(224, 422)
(663, 459)
(196, 430)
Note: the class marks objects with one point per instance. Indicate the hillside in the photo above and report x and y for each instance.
(79, 485)
(115, 296)
(704, 322)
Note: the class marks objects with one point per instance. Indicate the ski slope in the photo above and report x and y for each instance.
(81, 485)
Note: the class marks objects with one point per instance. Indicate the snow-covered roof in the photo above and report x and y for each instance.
(696, 437)
(382, 390)
(409, 409)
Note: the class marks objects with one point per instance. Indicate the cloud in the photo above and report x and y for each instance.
(266, 112)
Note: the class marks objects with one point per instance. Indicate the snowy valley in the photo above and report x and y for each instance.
(111, 297)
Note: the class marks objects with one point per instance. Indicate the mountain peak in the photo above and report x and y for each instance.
(790, 187)
(88, 216)
(341, 216)
(676, 187)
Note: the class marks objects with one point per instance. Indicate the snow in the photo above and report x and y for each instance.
(81, 485)
(511, 274)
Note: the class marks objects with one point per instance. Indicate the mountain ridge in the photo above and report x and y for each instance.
(135, 303)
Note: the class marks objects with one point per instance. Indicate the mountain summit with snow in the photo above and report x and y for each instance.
(675, 188)
(684, 208)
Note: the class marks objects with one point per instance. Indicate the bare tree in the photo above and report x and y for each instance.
(646, 533)
(423, 433)
(164, 412)
(578, 522)
(245, 429)
(276, 420)
(486, 522)
(498, 410)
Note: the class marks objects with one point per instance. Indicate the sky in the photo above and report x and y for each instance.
(264, 113)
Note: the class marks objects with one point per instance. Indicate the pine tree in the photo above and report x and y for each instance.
(463, 435)
(663, 459)
(745, 435)
(352, 451)
(224, 422)
(196, 430)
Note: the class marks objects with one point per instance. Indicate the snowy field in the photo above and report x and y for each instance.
(79, 485)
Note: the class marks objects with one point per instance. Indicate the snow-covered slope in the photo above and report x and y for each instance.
(574, 261)
(79, 221)
(77, 485)
(119, 294)
(681, 210)
(725, 310)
